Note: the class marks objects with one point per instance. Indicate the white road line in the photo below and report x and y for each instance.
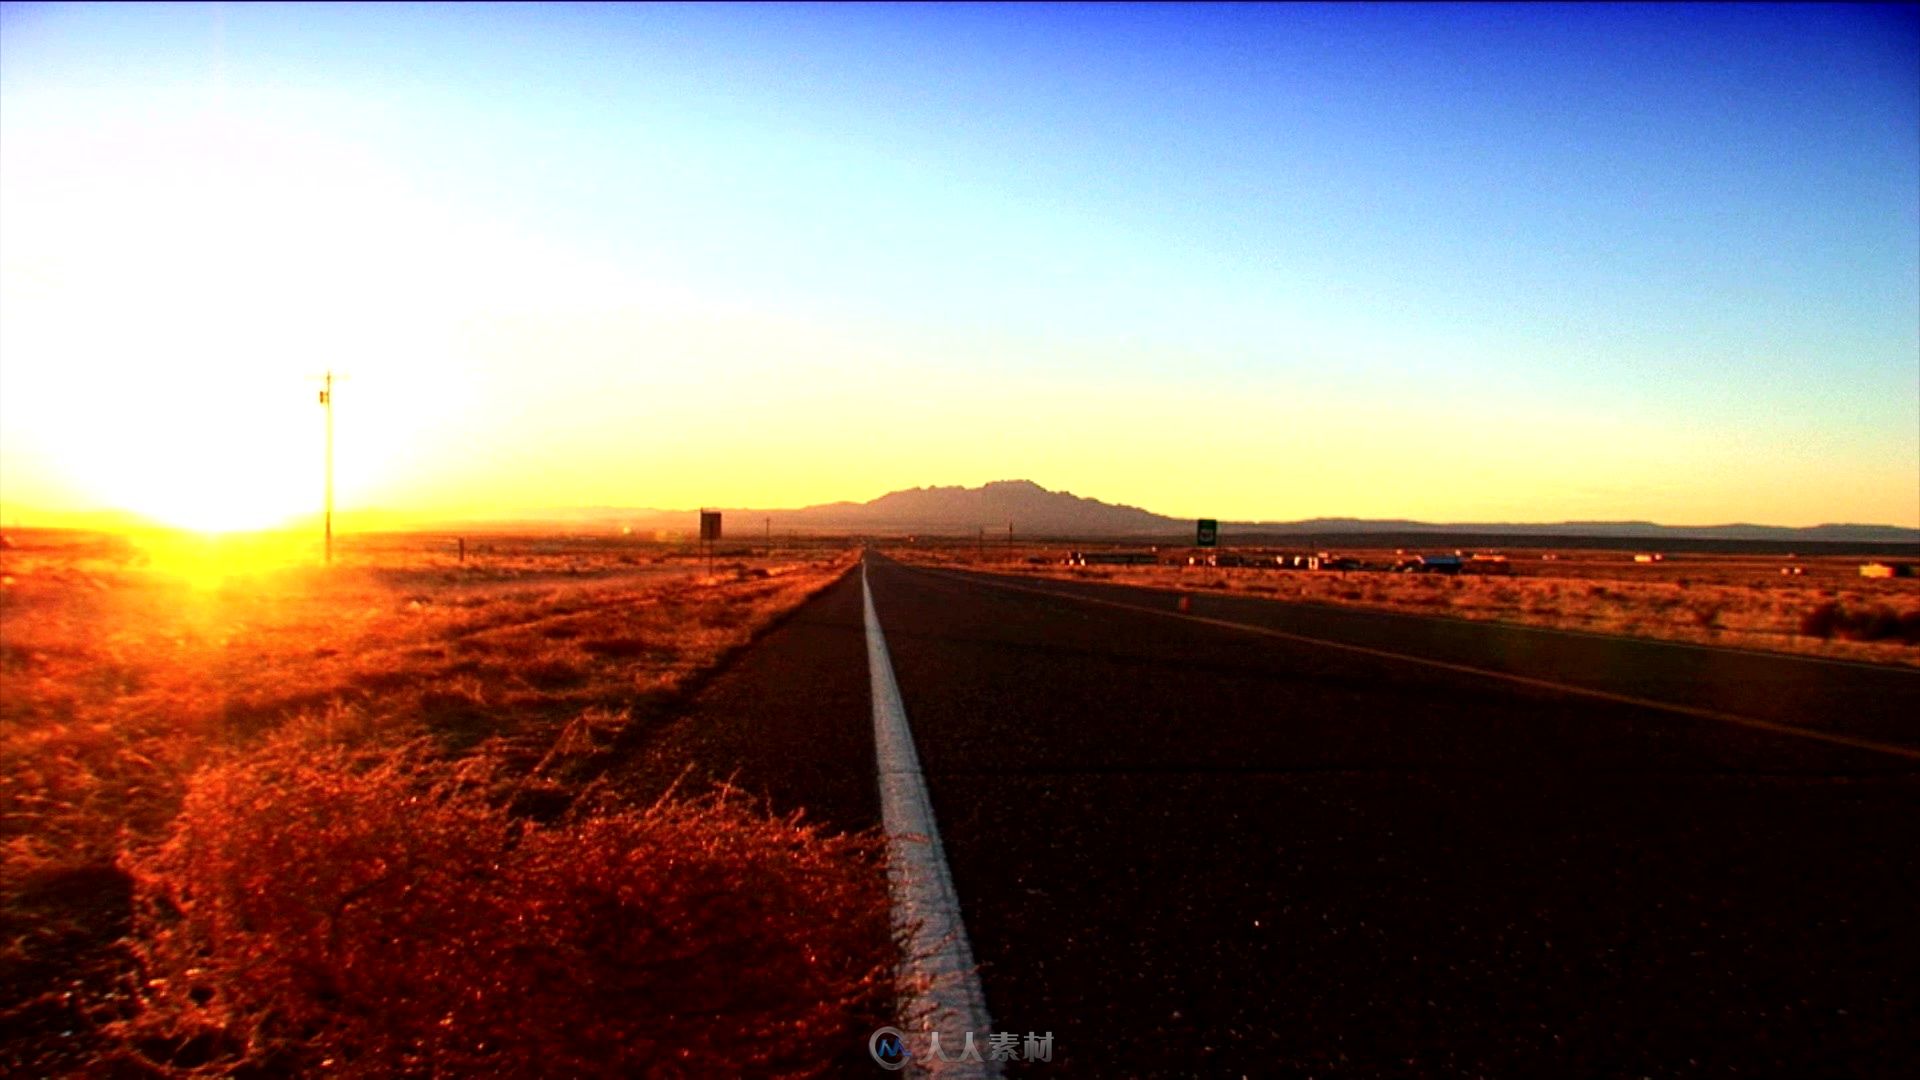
(1835, 738)
(943, 988)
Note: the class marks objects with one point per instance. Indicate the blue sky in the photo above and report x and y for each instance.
(1628, 262)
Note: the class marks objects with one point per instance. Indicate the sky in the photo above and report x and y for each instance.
(1450, 263)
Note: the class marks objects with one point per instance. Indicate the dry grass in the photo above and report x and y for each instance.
(1735, 600)
(378, 915)
(137, 682)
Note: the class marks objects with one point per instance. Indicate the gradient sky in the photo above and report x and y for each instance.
(1448, 263)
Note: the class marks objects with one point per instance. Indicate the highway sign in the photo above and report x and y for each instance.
(709, 524)
(1208, 534)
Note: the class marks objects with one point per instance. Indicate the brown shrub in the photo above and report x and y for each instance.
(1878, 624)
(458, 710)
(1833, 619)
(383, 680)
(315, 912)
(619, 647)
(1820, 620)
(550, 672)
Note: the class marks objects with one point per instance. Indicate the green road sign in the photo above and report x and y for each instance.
(1209, 533)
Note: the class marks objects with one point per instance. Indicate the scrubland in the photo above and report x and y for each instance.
(1737, 600)
(367, 819)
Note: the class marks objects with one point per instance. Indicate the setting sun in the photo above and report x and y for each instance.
(202, 453)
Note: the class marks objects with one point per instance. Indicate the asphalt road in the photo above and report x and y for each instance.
(1346, 844)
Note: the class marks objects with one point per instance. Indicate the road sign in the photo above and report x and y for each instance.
(709, 524)
(1208, 534)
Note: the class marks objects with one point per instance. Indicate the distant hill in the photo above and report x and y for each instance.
(1613, 530)
(1034, 511)
(1031, 509)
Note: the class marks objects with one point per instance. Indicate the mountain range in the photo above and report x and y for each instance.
(1033, 511)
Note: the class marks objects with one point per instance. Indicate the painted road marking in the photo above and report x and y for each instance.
(1851, 741)
(944, 993)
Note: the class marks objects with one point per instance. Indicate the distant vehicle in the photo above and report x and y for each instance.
(1430, 564)
(1326, 561)
(1886, 570)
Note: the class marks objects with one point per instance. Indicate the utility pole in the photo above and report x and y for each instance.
(326, 401)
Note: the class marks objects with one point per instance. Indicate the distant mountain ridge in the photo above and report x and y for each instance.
(1031, 509)
(1625, 530)
(1035, 512)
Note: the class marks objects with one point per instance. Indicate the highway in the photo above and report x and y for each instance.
(1267, 839)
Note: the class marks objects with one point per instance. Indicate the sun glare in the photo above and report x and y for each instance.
(213, 518)
(176, 322)
(210, 459)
